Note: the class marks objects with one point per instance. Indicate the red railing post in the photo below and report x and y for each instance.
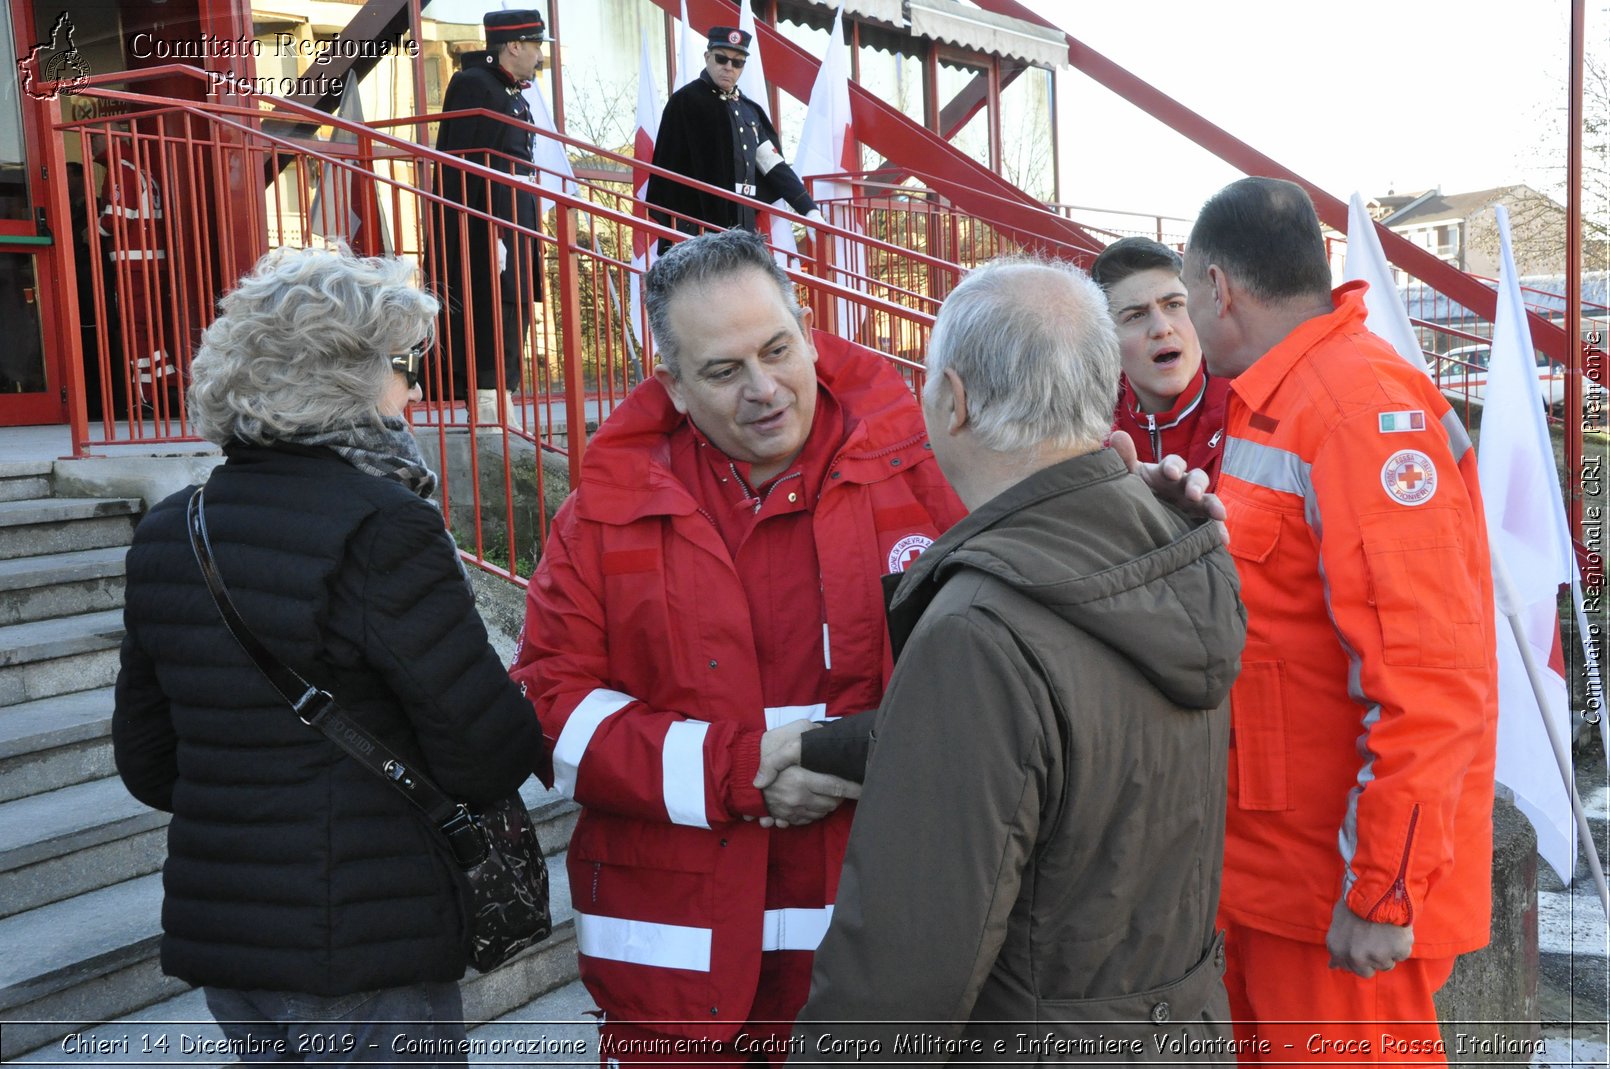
(570, 340)
(61, 259)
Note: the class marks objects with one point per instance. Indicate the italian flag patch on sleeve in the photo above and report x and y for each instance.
(1411, 420)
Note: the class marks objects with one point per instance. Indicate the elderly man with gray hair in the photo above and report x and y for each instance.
(1033, 870)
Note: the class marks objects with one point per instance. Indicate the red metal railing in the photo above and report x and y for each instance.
(236, 180)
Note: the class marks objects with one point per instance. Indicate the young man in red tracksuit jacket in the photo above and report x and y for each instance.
(716, 576)
(1167, 400)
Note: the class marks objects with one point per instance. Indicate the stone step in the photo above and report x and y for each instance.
(175, 1031)
(63, 977)
(557, 1029)
(1573, 940)
(20, 480)
(37, 526)
(1596, 804)
(44, 658)
(553, 814)
(90, 958)
(55, 742)
(75, 839)
(93, 834)
(61, 584)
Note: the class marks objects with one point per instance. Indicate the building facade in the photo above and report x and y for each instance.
(984, 81)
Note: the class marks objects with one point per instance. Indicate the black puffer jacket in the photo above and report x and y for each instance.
(291, 867)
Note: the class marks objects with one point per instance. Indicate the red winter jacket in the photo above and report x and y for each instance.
(1193, 428)
(639, 655)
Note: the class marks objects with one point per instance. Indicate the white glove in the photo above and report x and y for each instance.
(814, 217)
(503, 256)
(766, 157)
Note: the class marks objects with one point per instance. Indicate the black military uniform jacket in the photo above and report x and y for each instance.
(481, 83)
(714, 140)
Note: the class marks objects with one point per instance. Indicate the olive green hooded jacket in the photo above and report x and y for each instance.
(1034, 864)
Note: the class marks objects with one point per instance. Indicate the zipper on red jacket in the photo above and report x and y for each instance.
(761, 499)
(1400, 887)
(885, 451)
(1157, 439)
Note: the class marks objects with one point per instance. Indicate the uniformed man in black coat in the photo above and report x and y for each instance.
(712, 132)
(493, 273)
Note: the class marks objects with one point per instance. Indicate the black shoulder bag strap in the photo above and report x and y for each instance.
(318, 709)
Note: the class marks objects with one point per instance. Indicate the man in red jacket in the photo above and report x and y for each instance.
(1167, 400)
(1358, 844)
(715, 577)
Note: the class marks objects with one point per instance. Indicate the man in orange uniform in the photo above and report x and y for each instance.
(1359, 837)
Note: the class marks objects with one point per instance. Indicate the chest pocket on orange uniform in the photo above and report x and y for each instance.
(1427, 611)
(1257, 700)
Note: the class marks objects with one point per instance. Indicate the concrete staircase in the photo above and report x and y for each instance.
(1573, 935)
(80, 860)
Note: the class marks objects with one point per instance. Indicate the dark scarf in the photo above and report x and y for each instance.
(388, 451)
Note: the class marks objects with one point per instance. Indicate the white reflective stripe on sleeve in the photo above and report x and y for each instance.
(140, 254)
(1458, 437)
(663, 946)
(682, 762)
(827, 650)
(578, 732)
(1263, 465)
(795, 929)
(778, 715)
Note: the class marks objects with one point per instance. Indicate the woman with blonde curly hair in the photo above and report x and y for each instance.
(314, 905)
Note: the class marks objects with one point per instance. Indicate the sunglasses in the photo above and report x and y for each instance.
(411, 363)
(724, 60)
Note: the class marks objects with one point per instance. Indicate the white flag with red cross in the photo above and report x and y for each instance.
(1528, 531)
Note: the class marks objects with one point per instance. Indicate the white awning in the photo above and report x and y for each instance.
(984, 31)
(890, 11)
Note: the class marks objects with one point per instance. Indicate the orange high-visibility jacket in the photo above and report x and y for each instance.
(1365, 716)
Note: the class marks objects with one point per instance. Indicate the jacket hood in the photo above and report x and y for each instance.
(1089, 542)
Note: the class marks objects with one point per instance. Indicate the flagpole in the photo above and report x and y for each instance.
(1508, 597)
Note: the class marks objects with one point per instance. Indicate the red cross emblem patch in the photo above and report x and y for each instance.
(1409, 477)
(907, 550)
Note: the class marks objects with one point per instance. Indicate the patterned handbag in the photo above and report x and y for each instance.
(496, 849)
(508, 887)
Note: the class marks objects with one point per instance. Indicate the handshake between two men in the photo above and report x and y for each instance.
(803, 783)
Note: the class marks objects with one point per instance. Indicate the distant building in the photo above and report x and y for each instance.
(1461, 228)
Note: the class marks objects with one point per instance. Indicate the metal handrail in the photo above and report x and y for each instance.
(574, 378)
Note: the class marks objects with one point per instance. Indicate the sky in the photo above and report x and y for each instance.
(1368, 95)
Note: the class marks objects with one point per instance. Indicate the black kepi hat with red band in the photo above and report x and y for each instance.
(503, 27)
(728, 37)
